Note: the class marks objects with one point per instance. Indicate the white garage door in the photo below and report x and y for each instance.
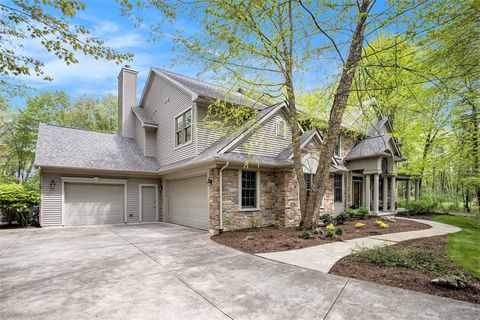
(93, 204)
(188, 202)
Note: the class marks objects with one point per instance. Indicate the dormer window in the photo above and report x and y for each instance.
(183, 128)
(338, 147)
(281, 128)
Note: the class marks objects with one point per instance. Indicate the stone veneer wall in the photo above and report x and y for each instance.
(279, 198)
(272, 200)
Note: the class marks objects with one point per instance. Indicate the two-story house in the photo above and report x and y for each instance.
(164, 164)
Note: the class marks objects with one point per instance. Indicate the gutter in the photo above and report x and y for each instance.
(220, 230)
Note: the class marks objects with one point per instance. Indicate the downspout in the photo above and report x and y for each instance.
(220, 230)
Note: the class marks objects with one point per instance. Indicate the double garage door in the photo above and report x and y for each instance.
(188, 202)
(94, 204)
(105, 203)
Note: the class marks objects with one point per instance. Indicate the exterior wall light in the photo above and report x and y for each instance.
(209, 182)
(52, 184)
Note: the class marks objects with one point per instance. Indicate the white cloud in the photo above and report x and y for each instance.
(129, 40)
(105, 27)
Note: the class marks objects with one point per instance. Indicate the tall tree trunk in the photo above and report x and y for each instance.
(287, 43)
(338, 108)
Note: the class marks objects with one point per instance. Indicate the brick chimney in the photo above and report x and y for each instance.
(127, 98)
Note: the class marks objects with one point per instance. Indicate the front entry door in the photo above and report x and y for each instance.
(356, 193)
(149, 211)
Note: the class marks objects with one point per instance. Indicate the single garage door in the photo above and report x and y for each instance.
(188, 202)
(94, 203)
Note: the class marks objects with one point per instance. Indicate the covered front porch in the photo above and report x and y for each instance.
(378, 191)
(374, 183)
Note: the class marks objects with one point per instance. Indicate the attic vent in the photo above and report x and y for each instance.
(241, 90)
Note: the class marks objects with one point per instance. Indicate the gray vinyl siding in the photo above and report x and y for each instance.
(140, 135)
(150, 143)
(165, 101)
(133, 197)
(264, 141)
(205, 137)
(51, 205)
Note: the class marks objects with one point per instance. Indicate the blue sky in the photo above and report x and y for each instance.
(97, 77)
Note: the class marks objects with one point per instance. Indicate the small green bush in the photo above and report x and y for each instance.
(229, 223)
(15, 203)
(362, 213)
(306, 234)
(350, 212)
(326, 218)
(424, 205)
(340, 219)
(255, 221)
(330, 227)
(329, 234)
(401, 203)
(414, 258)
(277, 224)
(339, 231)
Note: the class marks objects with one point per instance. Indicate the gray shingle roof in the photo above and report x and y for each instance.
(209, 90)
(75, 148)
(144, 116)
(287, 152)
(371, 146)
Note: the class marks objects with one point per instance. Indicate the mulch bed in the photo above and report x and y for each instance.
(270, 239)
(405, 278)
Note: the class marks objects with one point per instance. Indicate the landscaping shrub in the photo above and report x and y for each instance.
(330, 227)
(413, 258)
(424, 205)
(340, 219)
(255, 221)
(350, 212)
(277, 224)
(16, 203)
(326, 218)
(330, 234)
(362, 213)
(401, 203)
(382, 224)
(306, 234)
(339, 231)
(229, 223)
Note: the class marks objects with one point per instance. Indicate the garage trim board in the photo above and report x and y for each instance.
(140, 207)
(94, 180)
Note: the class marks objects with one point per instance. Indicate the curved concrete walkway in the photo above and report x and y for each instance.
(323, 257)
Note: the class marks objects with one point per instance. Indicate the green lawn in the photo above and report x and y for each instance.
(464, 246)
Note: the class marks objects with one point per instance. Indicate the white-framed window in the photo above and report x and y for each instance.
(183, 128)
(309, 182)
(338, 188)
(249, 185)
(338, 146)
(281, 128)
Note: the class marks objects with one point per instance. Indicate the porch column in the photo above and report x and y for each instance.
(417, 190)
(385, 194)
(367, 191)
(376, 192)
(408, 191)
(393, 194)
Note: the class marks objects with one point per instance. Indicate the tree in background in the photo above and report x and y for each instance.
(49, 23)
(18, 133)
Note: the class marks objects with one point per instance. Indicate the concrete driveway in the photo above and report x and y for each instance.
(164, 271)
